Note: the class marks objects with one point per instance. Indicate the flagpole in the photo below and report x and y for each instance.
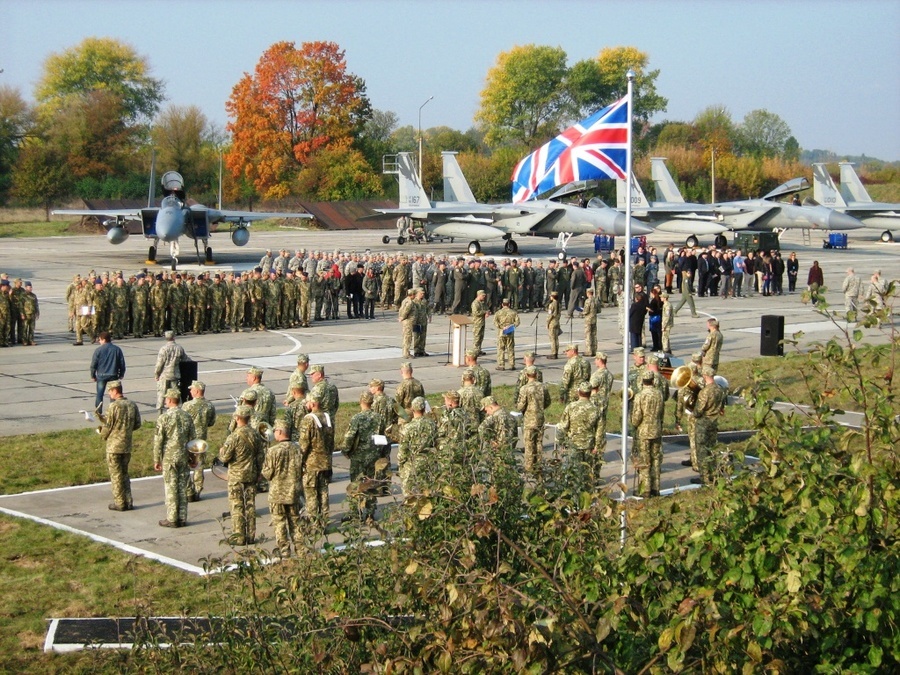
(626, 298)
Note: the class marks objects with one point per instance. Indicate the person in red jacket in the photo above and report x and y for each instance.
(815, 281)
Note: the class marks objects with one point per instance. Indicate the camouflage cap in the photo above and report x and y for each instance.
(647, 377)
(169, 335)
(418, 403)
(488, 400)
(451, 395)
(406, 365)
(256, 372)
(602, 356)
(366, 397)
(376, 383)
(282, 425)
(697, 357)
(571, 348)
(638, 351)
(530, 355)
(473, 353)
(713, 322)
(318, 368)
(653, 359)
(248, 395)
(173, 393)
(243, 411)
(302, 358)
(468, 374)
(197, 384)
(584, 388)
(707, 371)
(530, 371)
(113, 384)
(481, 291)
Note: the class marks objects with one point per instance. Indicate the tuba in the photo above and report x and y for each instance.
(683, 377)
(265, 430)
(196, 450)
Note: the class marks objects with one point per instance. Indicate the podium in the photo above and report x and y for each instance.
(459, 328)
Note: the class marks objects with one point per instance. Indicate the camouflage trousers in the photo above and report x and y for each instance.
(408, 342)
(705, 433)
(236, 317)
(138, 322)
(117, 462)
(692, 439)
(315, 492)
(84, 325)
(286, 524)
(27, 332)
(175, 477)
(666, 339)
(242, 503)
(506, 351)
(195, 479)
(533, 438)
(600, 438)
(477, 335)
(590, 337)
(554, 332)
(304, 311)
(419, 337)
(359, 501)
(648, 465)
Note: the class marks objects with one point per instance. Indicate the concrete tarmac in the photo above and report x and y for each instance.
(44, 387)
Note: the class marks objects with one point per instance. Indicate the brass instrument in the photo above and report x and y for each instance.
(266, 432)
(683, 377)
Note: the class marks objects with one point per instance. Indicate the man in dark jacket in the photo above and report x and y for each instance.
(107, 364)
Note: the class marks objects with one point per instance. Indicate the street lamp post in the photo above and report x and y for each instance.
(421, 182)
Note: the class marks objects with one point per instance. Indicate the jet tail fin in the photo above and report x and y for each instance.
(412, 194)
(666, 189)
(852, 189)
(638, 199)
(456, 187)
(824, 190)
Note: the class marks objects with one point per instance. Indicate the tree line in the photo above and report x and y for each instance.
(301, 125)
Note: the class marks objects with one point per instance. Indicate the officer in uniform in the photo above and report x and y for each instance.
(576, 371)
(168, 368)
(712, 346)
(174, 430)
(506, 321)
(531, 401)
(553, 329)
(122, 419)
(359, 446)
(710, 405)
(577, 428)
(647, 419)
(418, 439)
(479, 312)
(316, 438)
(203, 414)
(283, 470)
(601, 387)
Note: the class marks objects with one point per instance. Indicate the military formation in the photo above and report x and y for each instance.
(19, 312)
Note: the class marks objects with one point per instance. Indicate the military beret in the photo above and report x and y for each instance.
(243, 411)
(281, 425)
(418, 403)
(257, 269)
(602, 356)
(302, 358)
(530, 371)
(584, 388)
(249, 395)
(173, 394)
(140, 275)
(169, 335)
(318, 368)
(366, 397)
(697, 357)
(197, 384)
(158, 277)
(707, 371)
(527, 259)
(113, 384)
(376, 383)
(256, 372)
(571, 348)
(452, 395)
(488, 400)
(98, 280)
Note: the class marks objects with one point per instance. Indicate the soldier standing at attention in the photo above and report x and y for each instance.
(497, 432)
(30, 311)
(316, 440)
(712, 346)
(532, 400)
(479, 312)
(470, 396)
(420, 330)
(408, 389)
(174, 430)
(577, 427)
(243, 451)
(553, 329)
(284, 471)
(647, 418)
(528, 358)
(168, 369)
(203, 414)
(121, 420)
(5, 313)
(265, 397)
(454, 429)
(506, 321)
(359, 446)
(418, 438)
(327, 394)
(589, 314)
(576, 371)
(668, 322)
(710, 404)
(406, 315)
(601, 386)
(298, 379)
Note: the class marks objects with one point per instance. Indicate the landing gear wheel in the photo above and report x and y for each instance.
(474, 248)
(692, 241)
(385, 239)
(151, 255)
(561, 255)
(721, 241)
(887, 237)
(209, 258)
(510, 247)
(401, 241)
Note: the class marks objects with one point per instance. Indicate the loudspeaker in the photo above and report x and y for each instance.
(771, 334)
(188, 375)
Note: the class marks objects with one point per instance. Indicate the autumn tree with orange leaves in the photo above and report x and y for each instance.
(296, 103)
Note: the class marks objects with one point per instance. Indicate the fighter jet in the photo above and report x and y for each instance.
(854, 200)
(463, 217)
(174, 218)
(753, 214)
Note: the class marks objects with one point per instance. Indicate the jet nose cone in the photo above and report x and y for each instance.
(169, 224)
(841, 221)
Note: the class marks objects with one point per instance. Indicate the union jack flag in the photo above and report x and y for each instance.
(595, 148)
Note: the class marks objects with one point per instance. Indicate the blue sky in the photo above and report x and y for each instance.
(830, 69)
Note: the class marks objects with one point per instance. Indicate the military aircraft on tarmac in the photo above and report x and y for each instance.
(749, 214)
(462, 217)
(854, 200)
(174, 218)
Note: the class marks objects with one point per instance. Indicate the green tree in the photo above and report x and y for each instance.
(791, 150)
(185, 141)
(678, 134)
(338, 173)
(41, 177)
(102, 64)
(523, 100)
(763, 134)
(16, 126)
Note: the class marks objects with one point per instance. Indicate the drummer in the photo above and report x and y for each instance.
(203, 412)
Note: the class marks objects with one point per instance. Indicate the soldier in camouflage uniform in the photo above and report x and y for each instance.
(589, 314)
(158, 300)
(710, 404)
(577, 428)
(636, 372)
(255, 292)
(178, 298)
(273, 302)
(101, 310)
(84, 299)
(479, 312)
(531, 401)
(70, 301)
(406, 315)
(244, 452)
(316, 439)
(217, 298)
(203, 414)
(168, 368)
(482, 376)
(647, 420)
(289, 294)
(418, 438)
(140, 302)
(200, 303)
(122, 419)
(504, 320)
(359, 446)
(576, 371)
(470, 396)
(668, 322)
(455, 428)
(659, 380)
(237, 298)
(401, 277)
(601, 387)
(304, 294)
(30, 312)
(522, 380)
(420, 329)
(265, 397)
(553, 329)
(712, 346)
(118, 305)
(174, 430)
(5, 313)
(298, 379)
(497, 433)
(387, 283)
(408, 389)
(326, 393)
(283, 469)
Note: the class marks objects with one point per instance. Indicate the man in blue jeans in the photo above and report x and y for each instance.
(107, 364)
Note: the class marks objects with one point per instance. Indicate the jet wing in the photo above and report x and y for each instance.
(219, 216)
(118, 214)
